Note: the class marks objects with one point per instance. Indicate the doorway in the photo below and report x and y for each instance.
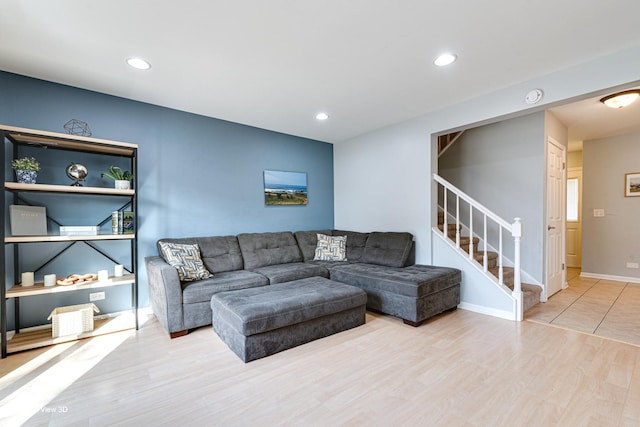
(574, 217)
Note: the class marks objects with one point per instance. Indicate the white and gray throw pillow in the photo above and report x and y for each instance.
(331, 248)
(186, 259)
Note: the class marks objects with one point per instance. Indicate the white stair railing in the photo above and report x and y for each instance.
(477, 210)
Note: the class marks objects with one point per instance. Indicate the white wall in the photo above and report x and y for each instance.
(382, 179)
(609, 242)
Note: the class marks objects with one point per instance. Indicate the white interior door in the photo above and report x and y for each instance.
(556, 185)
(574, 218)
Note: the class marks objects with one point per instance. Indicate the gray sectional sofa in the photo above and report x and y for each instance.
(381, 264)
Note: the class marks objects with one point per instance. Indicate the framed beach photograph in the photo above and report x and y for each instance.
(632, 184)
(285, 188)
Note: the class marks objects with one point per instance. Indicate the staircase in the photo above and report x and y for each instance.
(530, 293)
(460, 213)
(445, 141)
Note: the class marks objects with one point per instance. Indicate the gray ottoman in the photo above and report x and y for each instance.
(413, 293)
(258, 322)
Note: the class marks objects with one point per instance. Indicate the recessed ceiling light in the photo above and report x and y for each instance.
(139, 63)
(621, 99)
(322, 116)
(445, 59)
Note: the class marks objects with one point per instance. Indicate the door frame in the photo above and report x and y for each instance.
(563, 215)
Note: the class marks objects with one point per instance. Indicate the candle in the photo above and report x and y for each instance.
(118, 270)
(27, 278)
(103, 276)
(49, 279)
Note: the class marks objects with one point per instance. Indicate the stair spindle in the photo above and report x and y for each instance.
(471, 249)
(485, 259)
(457, 221)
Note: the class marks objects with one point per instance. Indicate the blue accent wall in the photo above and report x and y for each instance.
(197, 176)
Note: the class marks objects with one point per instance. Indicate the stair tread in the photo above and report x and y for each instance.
(479, 254)
(531, 288)
(449, 226)
(506, 271)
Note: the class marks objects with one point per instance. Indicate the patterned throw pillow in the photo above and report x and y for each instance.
(331, 248)
(186, 259)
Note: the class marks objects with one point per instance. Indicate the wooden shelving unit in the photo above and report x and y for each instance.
(67, 189)
(40, 289)
(13, 292)
(34, 239)
(41, 337)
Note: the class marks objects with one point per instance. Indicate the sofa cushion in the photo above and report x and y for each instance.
(307, 241)
(331, 248)
(219, 253)
(389, 249)
(186, 259)
(281, 273)
(413, 281)
(355, 243)
(262, 249)
(202, 290)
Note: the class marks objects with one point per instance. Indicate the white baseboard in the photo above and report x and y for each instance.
(610, 277)
(507, 315)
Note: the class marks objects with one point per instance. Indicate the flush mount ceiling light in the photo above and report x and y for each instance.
(621, 99)
(445, 59)
(322, 116)
(139, 63)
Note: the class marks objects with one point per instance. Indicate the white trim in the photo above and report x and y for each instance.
(611, 277)
(487, 310)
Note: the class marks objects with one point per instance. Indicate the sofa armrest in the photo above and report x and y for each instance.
(165, 294)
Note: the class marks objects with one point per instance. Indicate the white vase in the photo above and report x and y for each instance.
(123, 184)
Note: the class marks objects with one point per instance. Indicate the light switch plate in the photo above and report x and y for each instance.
(598, 212)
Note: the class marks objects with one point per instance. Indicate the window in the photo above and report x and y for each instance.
(572, 199)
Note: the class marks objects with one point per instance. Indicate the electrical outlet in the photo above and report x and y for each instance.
(96, 296)
(633, 265)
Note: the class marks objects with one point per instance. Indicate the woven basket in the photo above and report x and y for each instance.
(72, 319)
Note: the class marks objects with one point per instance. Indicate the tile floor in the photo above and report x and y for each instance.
(599, 307)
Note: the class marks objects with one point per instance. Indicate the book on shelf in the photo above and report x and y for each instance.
(122, 222)
(114, 222)
(128, 222)
(79, 230)
(28, 220)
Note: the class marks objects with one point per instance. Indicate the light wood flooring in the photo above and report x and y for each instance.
(460, 369)
(600, 307)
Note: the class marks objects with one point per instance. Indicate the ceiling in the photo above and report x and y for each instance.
(275, 64)
(590, 119)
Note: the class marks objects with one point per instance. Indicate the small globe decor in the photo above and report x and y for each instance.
(77, 127)
(77, 173)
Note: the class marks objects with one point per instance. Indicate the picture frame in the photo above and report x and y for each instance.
(285, 188)
(632, 184)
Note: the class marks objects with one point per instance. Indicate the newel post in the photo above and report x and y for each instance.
(516, 232)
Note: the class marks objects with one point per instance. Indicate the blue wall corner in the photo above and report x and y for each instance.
(197, 176)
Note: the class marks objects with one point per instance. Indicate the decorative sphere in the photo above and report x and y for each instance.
(77, 171)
